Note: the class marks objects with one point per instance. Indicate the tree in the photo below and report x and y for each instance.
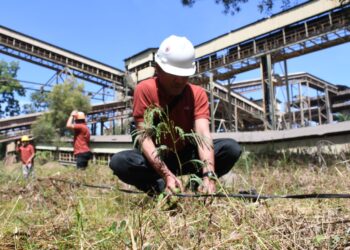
(43, 129)
(39, 102)
(61, 101)
(9, 87)
(234, 6)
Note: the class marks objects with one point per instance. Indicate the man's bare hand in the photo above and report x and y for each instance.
(74, 113)
(207, 187)
(173, 184)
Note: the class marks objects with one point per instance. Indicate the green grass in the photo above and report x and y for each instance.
(44, 214)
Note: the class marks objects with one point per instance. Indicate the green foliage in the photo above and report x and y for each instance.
(47, 214)
(158, 126)
(43, 157)
(264, 6)
(341, 117)
(61, 101)
(43, 130)
(234, 6)
(39, 102)
(9, 87)
(79, 211)
(115, 229)
(2, 150)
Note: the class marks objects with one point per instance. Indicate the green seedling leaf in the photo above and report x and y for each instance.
(161, 196)
(195, 178)
(319, 239)
(122, 226)
(113, 228)
(147, 247)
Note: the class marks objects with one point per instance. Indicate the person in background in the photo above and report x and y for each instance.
(77, 123)
(27, 153)
(171, 90)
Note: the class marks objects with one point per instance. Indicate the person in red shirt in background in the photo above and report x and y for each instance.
(188, 108)
(27, 154)
(82, 152)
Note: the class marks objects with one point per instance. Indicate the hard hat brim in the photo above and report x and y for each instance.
(178, 71)
(25, 139)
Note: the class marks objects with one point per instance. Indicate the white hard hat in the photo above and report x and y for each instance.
(176, 56)
(80, 116)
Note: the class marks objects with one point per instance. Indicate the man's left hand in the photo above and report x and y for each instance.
(208, 186)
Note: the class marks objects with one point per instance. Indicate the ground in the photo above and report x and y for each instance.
(54, 210)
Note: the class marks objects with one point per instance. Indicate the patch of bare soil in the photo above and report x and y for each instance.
(52, 164)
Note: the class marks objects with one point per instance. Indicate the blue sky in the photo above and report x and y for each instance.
(110, 31)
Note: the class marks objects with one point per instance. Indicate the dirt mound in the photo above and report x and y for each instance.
(52, 165)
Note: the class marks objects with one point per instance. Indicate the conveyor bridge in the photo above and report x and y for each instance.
(312, 26)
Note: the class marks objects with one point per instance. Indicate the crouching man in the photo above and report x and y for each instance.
(188, 108)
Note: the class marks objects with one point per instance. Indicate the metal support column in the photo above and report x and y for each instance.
(229, 105)
(328, 106)
(268, 90)
(102, 127)
(93, 128)
(301, 105)
(308, 102)
(236, 117)
(121, 123)
(319, 116)
(211, 85)
(288, 94)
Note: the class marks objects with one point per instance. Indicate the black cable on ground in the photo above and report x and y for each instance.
(243, 195)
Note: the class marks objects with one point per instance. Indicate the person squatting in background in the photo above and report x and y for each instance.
(77, 123)
(188, 108)
(27, 153)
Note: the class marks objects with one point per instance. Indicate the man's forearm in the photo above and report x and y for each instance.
(31, 158)
(149, 151)
(205, 149)
(70, 122)
(207, 157)
(206, 154)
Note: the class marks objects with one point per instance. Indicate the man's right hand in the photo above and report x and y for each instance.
(74, 113)
(173, 184)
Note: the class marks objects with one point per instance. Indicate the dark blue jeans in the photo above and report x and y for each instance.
(133, 168)
(83, 159)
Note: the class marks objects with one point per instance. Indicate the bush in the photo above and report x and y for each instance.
(43, 157)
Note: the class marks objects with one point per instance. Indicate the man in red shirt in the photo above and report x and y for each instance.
(188, 108)
(27, 154)
(77, 123)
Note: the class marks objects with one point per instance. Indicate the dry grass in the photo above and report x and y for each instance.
(45, 214)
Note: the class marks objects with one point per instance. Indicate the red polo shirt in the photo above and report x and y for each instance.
(26, 152)
(191, 105)
(81, 138)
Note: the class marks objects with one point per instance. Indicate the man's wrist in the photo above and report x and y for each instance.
(209, 174)
(208, 163)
